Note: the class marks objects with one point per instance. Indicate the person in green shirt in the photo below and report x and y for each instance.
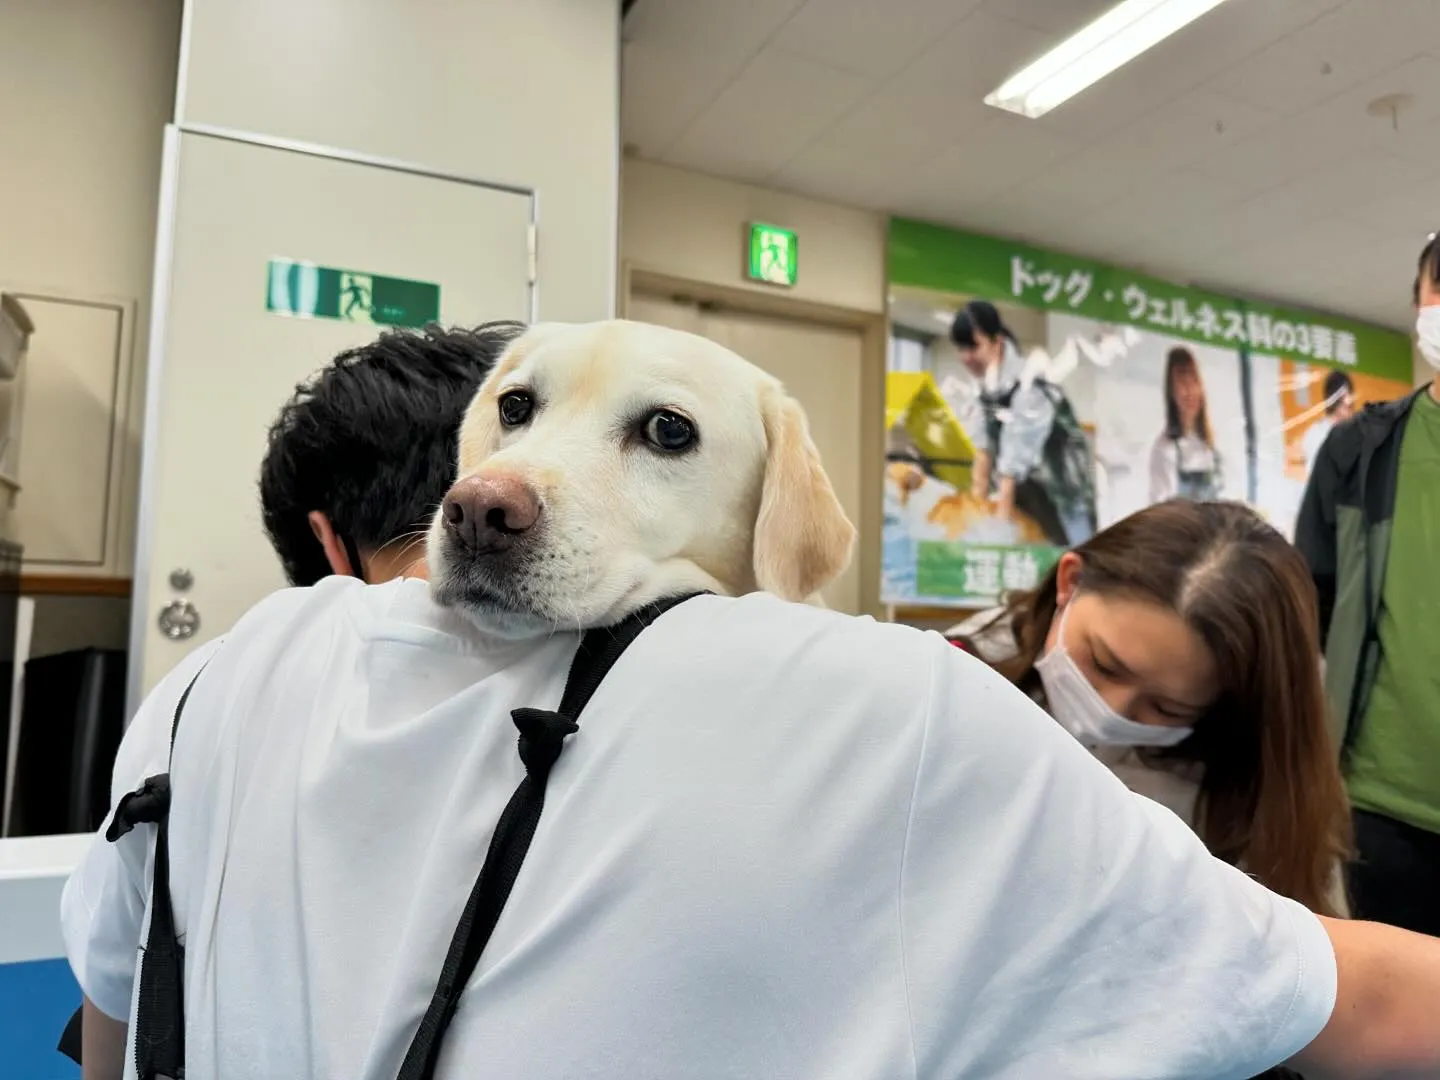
(1369, 527)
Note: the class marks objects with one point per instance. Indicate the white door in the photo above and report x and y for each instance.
(820, 365)
(221, 364)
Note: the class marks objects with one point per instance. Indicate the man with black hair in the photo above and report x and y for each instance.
(1339, 406)
(357, 462)
(362, 454)
(1370, 528)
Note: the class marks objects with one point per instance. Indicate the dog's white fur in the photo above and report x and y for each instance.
(621, 524)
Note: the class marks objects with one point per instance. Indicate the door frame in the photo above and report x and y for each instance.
(140, 614)
(872, 327)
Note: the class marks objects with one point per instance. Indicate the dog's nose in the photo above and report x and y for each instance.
(487, 513)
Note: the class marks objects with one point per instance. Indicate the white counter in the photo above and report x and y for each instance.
(37, 991)
(32, 873)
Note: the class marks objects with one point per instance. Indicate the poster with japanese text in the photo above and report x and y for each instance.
(1102, 392)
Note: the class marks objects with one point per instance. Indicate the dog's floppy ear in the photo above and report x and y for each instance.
(803, 539)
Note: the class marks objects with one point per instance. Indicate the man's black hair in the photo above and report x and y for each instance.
(370, 441)
(1429, 265)
(1336, 384)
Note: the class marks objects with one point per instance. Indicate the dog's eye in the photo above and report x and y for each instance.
(669, 431)
(516, 407)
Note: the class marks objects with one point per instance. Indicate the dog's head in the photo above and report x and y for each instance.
(607, 465)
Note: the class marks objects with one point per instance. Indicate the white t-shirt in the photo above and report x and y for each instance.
(784, 843)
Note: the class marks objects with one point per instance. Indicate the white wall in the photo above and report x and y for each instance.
(688, 225)
(524, 93)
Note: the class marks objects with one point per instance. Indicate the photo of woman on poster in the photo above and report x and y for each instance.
(1032, 454)
(1184, 463)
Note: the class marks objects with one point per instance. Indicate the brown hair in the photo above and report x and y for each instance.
(1271, 795)
(1181, 360)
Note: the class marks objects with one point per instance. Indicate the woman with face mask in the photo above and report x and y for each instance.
(1179, 646)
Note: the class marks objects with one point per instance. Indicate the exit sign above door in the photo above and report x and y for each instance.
(774, 255)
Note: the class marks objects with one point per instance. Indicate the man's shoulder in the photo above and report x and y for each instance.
(1371, 426)
(827, 651)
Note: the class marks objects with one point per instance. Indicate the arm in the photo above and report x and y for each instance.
(1162, 470)
(1054, 923)
(1386, 1022)
(1315, 530)
(980, 475)
(102, 1045)
(1005, 504)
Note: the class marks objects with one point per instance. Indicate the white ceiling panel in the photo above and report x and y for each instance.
(1055, 19)
(779, 102)
(972, 173)
(1192, 57)
(871, 39)
(679, 55)
(1238, 153)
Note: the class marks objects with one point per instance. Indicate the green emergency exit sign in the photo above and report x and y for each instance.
(309, 291)
(774, 254)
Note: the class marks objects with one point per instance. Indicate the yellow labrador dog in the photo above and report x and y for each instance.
(606, 465)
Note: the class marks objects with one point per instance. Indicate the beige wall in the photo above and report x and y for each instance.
(522, 93)
(687, 225)
(87, 87)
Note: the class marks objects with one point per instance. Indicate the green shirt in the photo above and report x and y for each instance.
(1394, 768)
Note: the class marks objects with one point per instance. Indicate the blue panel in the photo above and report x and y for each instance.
(36, 1001)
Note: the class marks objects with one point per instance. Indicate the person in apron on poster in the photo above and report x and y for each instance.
(1184, 463)
(1033, 455)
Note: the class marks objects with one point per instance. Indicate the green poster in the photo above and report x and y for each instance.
(323, 292)
(960, 573)
(968, 264)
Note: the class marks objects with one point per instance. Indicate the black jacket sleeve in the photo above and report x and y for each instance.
(1315, 528)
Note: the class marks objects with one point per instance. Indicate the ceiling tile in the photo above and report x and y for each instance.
(869, 38)
(735, 24)
(1193, 126)
(974, 57)
(1180, 63)
(779, 103)
(1176, 200)
(1303, 69)
(679, 55)
(862, 156)
(964, 179)
(1414, 210)
(662, 91)
(1059, 20)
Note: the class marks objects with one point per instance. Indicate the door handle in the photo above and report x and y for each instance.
(179, 620)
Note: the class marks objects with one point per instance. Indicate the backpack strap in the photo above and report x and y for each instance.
(542, 738)
(160, 1003)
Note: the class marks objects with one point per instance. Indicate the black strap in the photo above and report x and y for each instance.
(160, 1002)
(542, 738)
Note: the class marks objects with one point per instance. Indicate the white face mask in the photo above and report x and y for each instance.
(1080, 710)
(1427, 331)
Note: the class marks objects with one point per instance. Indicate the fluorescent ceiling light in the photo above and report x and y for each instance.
(1091, 53)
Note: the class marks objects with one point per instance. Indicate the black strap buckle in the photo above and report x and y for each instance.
(542, 737)
(146, 805)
